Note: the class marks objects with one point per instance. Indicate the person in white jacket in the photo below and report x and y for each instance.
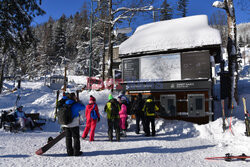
(72, 129)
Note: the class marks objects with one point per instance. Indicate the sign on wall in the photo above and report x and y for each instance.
(167, 67)
(163, 67)
(130, 69)
(195, 65)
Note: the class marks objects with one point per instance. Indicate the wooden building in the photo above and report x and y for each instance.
(174, 61)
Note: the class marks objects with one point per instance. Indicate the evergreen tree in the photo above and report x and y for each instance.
(241, 42)
(166, 12)
(48, 41)
(60, 40)
(15, 19)
(247, 39)
(182, 7)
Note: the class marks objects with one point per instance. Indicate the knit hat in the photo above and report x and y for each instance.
(91, 100)
(110, 96)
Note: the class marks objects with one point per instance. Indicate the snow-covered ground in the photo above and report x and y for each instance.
(177, 143)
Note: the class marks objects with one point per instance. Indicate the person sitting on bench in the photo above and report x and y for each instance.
(23, 120)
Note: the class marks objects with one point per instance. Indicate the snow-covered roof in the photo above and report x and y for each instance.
(175, 34)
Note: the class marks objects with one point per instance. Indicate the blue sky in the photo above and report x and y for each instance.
(56, 8)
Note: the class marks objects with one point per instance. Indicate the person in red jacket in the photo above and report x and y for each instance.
(90, 122)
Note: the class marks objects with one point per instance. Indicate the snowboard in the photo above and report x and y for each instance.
(51, 143)
(229, 157)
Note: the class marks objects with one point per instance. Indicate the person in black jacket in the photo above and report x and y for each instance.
(139, 114)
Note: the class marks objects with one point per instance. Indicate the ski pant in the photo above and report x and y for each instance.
(25, 121)
(122, 123)
(113, 124)
(150, 120)
(140, 117)
(91, 124)
(72, 133)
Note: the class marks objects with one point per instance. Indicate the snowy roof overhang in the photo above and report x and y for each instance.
(176, 34)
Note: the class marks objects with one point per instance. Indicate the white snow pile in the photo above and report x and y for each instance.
(176, 144)
(175, 34)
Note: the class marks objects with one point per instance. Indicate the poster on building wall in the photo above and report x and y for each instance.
(162, 67)
(130, 69)
(195, 65)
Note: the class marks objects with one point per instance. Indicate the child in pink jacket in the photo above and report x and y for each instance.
(123, 116)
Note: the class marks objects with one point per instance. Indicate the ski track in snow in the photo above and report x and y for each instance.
(177, 143)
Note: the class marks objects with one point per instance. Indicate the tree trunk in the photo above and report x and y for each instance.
(103, 55)
(2, 74)
(110, 48)
(232, 51)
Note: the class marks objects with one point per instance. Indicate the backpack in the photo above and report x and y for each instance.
(150, 107)
(61, 102)
(93, 113)
(64, 114)
(138, 106)
(114, 109)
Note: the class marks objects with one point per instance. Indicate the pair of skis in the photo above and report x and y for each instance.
(247, 118)
(224, 117)
(229, 157)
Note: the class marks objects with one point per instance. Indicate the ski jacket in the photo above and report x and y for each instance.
(108, 108)
(137, 106)
(89, 108)
(145, 108)
(75, 109)
(19, 114)
(123, 111)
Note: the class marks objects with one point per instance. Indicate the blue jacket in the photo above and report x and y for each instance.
(75, 108)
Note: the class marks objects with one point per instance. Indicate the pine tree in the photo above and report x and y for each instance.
(60, 41)
(247, 39)
(166, 12)
(48, 41)
(182, 7)
(241, 42)
(15, 19)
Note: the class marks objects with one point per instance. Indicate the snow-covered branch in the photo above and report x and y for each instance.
(219, 4)
(126, 10)
(145, 8)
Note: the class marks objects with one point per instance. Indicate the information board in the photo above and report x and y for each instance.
(195, 65)
(130, 69)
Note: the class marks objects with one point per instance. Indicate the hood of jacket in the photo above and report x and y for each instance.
(69, 102)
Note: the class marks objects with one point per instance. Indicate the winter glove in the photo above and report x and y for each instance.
(98, 119)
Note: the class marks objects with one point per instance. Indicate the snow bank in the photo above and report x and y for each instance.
(175, 34)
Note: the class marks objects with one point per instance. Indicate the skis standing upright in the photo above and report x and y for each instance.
(57, 97)
(231, 118)
(247, 118)
(223, 116)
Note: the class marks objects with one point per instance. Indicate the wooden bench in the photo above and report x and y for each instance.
(36, 119)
